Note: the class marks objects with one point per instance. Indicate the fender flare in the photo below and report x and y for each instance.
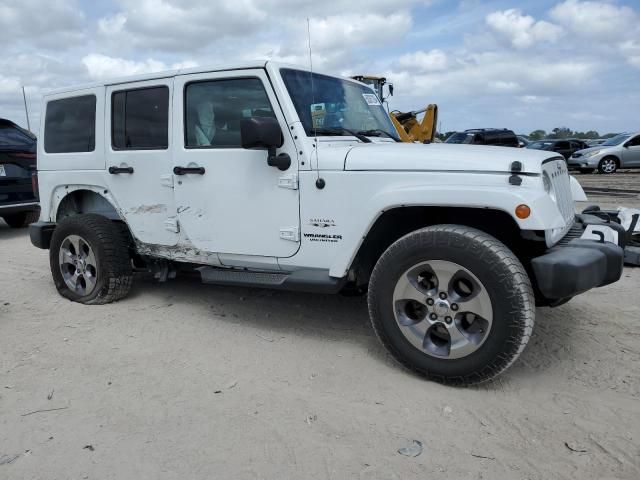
(60, 193)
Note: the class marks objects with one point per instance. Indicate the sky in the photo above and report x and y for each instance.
(521, 65)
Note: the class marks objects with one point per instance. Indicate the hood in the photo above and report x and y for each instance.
(443, 157)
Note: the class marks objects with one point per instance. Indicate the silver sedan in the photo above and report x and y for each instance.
(621, 151)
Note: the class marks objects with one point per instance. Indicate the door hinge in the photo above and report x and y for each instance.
(172, 225)
(290, 233)
(288, 181)
(166, 180)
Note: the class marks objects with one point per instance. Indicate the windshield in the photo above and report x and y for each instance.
(617, 140)
(335, 104)
(460, 137)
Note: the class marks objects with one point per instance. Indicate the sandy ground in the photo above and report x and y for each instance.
(182, 380)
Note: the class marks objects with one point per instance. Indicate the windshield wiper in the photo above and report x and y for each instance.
(375, 132)
(341, 131)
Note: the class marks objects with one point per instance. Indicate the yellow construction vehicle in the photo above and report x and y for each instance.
(409, 128)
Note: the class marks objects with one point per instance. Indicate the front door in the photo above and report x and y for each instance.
(138, 157)
(229, 201)
(631, 152)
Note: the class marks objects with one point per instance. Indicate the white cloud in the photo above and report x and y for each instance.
(368, 29)
(522, 31)
(9, 85)
(102, 66)
(604, 24)
(600, 20)
(631, 49)
(45, 23)
(112, 25)
(422, 61)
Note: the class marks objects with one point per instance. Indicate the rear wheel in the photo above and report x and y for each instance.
(608, 165)
(90, 261)
(22, 219)
(452, 303)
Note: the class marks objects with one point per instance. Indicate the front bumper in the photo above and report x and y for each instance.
(576, 265)
(584, 162)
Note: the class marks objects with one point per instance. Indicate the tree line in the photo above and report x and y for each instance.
(564, 132)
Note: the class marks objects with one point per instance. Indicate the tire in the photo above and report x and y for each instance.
(486, 269)
(92, 253)
(608, 165)
(22, 219)
(587, 170)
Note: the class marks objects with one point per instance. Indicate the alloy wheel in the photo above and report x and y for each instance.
(78, 265)
(442, 309)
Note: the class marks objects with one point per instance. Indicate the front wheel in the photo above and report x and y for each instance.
(451, 303)
(608, 165)
(90, 261)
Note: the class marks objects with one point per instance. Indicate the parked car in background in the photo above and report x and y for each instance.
(621, 151)
(501, 137)
(18, 175)
(523, 141)
(565, 147)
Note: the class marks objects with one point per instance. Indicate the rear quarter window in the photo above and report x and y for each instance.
(70, 125)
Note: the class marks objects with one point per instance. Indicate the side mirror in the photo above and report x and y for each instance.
(391, 89)
(261, 132)
(265, 133)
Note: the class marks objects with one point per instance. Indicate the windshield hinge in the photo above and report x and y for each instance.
(288, 181)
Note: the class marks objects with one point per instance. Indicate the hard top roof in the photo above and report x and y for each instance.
(182, 71)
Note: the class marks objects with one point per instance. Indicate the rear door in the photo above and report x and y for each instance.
(138, 158)
(229, 201)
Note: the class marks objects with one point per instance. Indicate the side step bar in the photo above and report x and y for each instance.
(312, 280)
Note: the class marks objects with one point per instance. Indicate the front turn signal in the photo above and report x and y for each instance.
(523, 211)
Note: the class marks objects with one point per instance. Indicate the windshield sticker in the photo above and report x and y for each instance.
(318, 112)
(371, 99)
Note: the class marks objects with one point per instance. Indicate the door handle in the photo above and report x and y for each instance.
(116, 170)
(186, 170)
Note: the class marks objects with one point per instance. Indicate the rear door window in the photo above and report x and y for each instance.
(140, 119)
(70, 125)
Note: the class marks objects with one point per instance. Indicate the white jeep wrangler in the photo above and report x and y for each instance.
(270, 175)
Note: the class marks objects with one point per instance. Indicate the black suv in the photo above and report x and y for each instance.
(18, 175)
(501, 137)
(565, 147)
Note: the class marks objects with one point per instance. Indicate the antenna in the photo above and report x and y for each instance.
(26, 110)
(319, 181)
